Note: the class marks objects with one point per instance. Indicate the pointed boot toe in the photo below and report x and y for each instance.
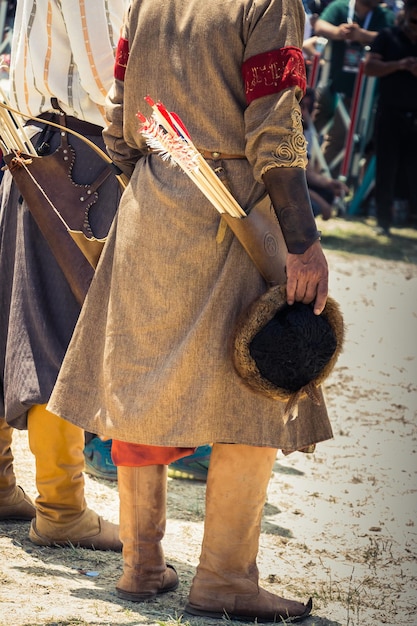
(260, 608)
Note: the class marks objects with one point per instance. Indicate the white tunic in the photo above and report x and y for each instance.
(49, 48)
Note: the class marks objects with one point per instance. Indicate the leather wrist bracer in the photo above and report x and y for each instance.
(287, 189)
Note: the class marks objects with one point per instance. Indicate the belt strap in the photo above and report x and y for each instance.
(214, 155)
(73, 123)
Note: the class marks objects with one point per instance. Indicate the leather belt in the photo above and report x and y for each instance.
(211, 155)
(214, 155)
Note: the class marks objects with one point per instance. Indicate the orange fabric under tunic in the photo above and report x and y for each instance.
(138, 455)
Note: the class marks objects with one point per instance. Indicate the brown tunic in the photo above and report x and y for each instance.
(150, 357)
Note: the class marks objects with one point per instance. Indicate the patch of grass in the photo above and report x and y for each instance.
(351, 593)
(355, 235)
(174, 622)
(377, 550)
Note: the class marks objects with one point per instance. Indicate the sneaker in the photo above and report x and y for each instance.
(98, 461)
(194, 467)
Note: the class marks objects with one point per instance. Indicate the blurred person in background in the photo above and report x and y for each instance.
(349, 25)
(393, 60)
(323, 189)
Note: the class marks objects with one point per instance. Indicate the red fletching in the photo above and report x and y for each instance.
(180, 123)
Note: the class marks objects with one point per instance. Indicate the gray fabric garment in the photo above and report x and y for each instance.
(150, 358)
(38, 310)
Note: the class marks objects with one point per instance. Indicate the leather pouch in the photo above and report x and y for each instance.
(60, 208)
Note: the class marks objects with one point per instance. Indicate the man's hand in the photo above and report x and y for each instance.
(307, 272)
(307, 277)
(349, 31)
(409, 64)
(338, 187)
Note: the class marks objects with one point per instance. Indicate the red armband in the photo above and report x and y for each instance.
(121, 59)
(271, 72)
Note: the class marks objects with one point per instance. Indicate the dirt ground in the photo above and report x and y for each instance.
(339, 524)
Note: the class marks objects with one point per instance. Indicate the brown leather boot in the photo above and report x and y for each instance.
(226, 582)
(14, 503)
(142, 492)
(62, 516)
(88, 531)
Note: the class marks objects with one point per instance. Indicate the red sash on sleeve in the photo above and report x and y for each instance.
(121, 59)
(271, 72)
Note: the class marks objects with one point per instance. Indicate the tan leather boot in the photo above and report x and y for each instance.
(62, 516)
(226, 582)
(142, 492)
(14, 503)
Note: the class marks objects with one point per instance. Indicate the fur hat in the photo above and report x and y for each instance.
(286, 352)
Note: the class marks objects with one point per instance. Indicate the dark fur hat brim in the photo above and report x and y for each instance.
(258, 315)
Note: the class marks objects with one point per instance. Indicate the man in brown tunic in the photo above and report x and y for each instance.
(155, 331)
